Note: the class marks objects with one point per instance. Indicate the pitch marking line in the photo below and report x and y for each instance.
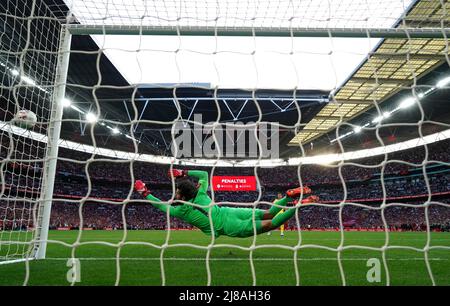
(243, 259)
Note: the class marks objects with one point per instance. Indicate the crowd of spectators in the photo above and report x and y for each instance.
(94, 215)
(145, 216)
(369, 181)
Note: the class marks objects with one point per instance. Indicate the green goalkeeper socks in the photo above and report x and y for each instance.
(275, 209)
(282, 218)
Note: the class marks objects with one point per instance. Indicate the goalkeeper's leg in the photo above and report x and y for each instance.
(275, 209)
(282, 203)
(282, 226)
(268, 222)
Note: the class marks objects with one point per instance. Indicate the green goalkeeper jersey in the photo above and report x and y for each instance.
(197, 214)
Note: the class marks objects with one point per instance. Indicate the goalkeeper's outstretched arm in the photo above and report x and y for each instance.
(140, 187)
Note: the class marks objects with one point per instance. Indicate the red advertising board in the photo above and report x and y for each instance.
(234, 183)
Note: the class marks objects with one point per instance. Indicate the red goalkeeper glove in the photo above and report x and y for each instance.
(140, 187)
(177, 173)
(292, 193)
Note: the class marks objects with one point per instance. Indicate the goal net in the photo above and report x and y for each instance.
(262, 95)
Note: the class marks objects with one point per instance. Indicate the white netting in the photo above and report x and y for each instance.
(332, 14)
(108, 134)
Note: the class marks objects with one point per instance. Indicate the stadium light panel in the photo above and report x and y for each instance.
(66, 102)
(115, 131)
(24, 78)
(28, 80)
(443, 82)
(340, 137)
(377, 119)
(130, 137)
(408, 102)
(357, 129)
(91, 117)
(76, 109)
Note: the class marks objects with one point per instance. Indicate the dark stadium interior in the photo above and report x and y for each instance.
(119, 104)
(156, 138)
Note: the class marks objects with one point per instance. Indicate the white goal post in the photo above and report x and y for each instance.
(51, 158)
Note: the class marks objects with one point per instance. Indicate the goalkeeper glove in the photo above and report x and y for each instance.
(140, 187)
(178, 173)
(292, 193)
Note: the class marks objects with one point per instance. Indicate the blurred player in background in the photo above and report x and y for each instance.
(279, 197)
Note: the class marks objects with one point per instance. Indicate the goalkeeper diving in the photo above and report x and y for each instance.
(228, 221)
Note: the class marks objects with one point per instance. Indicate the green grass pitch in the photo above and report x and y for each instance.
(186, 265)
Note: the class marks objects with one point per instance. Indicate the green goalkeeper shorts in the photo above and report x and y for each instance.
(238, 222)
